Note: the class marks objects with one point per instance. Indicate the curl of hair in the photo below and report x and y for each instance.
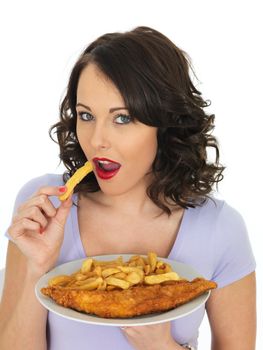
(152, 75)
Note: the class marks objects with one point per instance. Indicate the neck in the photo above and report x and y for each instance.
(133, 202)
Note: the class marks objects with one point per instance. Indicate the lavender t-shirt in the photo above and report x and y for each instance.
(212, 238)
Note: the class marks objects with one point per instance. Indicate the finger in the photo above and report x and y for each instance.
(42, 201)
(63, 211)
(45, 192)
(19, 228)
(32, 213)
(46, 204)
(52, 190)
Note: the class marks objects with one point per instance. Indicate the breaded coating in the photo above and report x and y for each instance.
(135, 301)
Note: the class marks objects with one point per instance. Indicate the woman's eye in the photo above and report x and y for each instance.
(122, 119)
(85, 116)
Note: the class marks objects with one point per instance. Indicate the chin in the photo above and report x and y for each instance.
(113, 191)
(120, 186)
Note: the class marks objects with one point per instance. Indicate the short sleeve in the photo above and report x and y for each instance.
(31, 187)
(233, 256)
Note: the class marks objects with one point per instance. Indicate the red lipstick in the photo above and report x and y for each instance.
(106, 168)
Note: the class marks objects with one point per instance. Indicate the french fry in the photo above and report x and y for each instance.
(152, 257)
(80, 277)
(168, 268)
(157, 279)
(98, 270)
(91, 285)
(159, 264)
(133, 278)
(134, 257)
(102, 286)
(117, 282)
(140, 262)
(162, 267)
(110, 263)
(117, 274)
(86, 281)
(110, 271)
(129, 269)
(59, 280)
(121, 275)
(147, 269)
(75, 179)
(86, 265)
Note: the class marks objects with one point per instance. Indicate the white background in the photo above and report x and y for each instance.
(40, 41)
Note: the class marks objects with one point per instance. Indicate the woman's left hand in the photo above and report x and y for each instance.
(154, 337)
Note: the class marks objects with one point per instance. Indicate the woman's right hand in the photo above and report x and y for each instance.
(38, 229)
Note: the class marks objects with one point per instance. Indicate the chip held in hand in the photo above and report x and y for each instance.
(75, 179)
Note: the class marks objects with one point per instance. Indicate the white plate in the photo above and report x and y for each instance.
(182, 269)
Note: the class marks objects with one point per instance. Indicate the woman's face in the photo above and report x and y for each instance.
(122, 150)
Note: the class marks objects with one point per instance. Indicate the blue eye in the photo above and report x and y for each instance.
(122, 119)
(85, 116)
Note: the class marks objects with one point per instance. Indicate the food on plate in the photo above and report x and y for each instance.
(118, 289)
(75, 179)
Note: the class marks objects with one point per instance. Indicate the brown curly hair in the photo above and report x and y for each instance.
(152, 75)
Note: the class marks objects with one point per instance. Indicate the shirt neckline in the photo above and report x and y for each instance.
(174, 252)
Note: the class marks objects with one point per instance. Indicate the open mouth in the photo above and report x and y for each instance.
(106, 168)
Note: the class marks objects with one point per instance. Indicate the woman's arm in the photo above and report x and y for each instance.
(232, 315)
(37, 230)
(22, 318)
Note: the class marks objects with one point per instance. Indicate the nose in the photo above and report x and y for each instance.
(100, 138)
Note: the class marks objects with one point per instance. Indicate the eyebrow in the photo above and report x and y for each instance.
(111, 110)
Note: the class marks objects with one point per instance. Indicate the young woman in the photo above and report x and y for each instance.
(133, 111)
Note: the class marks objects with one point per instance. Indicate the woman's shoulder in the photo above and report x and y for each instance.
(231, 249)
(226, 226)
(217, 242)
(216, 218)
(34, 184)
(218, 211)
(44, 180)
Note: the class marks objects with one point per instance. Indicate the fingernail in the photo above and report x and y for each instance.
(62, 189)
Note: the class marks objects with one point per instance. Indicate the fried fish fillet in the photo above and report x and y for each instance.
(135, 301)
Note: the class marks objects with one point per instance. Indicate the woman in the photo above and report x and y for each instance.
(132, 109)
